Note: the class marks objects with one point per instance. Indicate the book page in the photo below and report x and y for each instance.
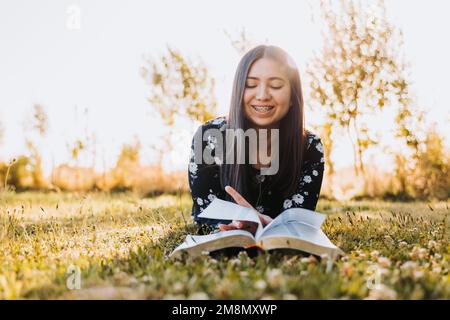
(225, 210)
(195, 244)
(299, 215)
(195, 239)
(300, 231)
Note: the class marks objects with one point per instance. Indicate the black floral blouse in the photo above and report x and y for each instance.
(204, 181)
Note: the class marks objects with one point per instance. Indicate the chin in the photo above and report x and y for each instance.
(265, 123)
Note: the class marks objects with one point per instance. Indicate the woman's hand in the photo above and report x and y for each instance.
(243, 225)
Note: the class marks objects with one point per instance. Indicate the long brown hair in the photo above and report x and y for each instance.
(291, 128)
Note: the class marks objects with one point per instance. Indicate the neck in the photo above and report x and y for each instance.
(269, 140)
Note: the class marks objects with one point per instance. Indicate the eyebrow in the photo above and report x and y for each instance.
(271, 78)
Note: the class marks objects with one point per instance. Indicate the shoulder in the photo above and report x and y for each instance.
(216, 123)
(313, 142)
(209, 128)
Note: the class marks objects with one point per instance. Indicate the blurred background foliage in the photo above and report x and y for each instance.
(360, 71)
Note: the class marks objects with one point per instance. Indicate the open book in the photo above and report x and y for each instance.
(294, 228)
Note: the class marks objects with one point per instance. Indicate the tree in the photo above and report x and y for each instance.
(38, 123)
(359, 71)
(127, 164)
(242, 43)
(83, 144)
(180, 90)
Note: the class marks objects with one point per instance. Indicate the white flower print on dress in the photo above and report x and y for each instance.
(307, 179)
(319, 147)
(205, 190)
(287, 204)
(212, 142)
(298, 198)
(219, 120)
(193, 167)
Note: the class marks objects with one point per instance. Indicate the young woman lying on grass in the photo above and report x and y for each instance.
(267, 94)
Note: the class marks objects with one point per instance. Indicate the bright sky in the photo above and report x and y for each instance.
(96, 67)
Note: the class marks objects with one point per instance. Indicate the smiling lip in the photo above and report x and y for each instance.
(262, 110)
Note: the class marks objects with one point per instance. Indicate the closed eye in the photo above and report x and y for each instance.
(252, 87)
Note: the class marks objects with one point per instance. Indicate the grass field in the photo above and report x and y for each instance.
(120, 245)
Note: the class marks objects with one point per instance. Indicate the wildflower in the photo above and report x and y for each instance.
(243, 274)
(198, 296)
(274, 277)
(437, 256)
(409, 265)
(147, 278)
(375, 254)
(417, 274)
(235, 262)
(418, 253)
(382, 292)
(402, 244)
(347, 269)
(291, 261)
(312, 259)
(260, 285)
(243, 254)
(433, 245)
(436, 269)
(324, 258)
(304, 260)
(384, 262)
(173, 297)
(361, 254)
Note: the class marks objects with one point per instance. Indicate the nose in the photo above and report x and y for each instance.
(263, 93)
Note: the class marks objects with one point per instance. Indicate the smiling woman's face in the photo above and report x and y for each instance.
(267, 93)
